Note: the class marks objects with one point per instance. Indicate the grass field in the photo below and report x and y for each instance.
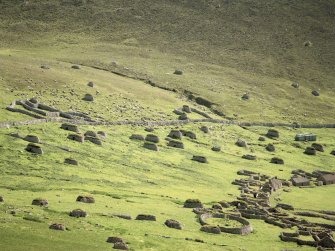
(225, 48)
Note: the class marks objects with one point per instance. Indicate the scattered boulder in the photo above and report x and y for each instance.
(1, 199)
(70, 127)
(85, 199)
(272, 133)
(147, 217)
(216, 148)
(183, 116)
(276, 160)
(150, 146)
(34, 148)
(178, 72)
(33, 100)
(315, 93)
(76, 67)
(78, 213)
(173, 224)
(91, 134)
(270, 147)
(32, 139)
(57, 226)
(245, 96)
(186, 109)
(175, 134)
(310, 151)
(332, 152)
(120, 246)
(200, 159)
(211, 229)
(76, 137)
(176, 144)
(114, 239)
(88, 97)
(193, 203)
(90, 84)
(308, 43)
(295, 85)
(249, 157)
(204, 129)
(40, 202)
(102, 134)
(45, 67)
(318, 147)
(71, 161)
(136, 137)
(241, 143)
(152, 138)
(261, 138)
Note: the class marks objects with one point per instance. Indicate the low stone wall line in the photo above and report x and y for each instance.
(144, 123)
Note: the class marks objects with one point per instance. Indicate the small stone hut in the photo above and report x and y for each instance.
(318, 147)
(136, 137)
(34, 148)
(200, 159)
(310, 151)
(249, 157)
(176, 144)
(327, 179)
(151, 146)
(40, 202)
(78, 213)
(147, 217)
(193, 203)
(152, 138)
(71, 161)
(276, 160)
(94, 140)
(175, 134)
(305, 137)
(70, 127)
(173, 224)
(272, 133)
(189, 134)
(85, 199)
(88, 97)
(76, 137)
(186, 108)
(300, 181)
(91, 134)
(32, 139)
(270, 147)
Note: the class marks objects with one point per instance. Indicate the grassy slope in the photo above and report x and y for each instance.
(124, 177)
(122, 183)
(224, 51)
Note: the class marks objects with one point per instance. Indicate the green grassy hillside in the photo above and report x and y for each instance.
(226, 48)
